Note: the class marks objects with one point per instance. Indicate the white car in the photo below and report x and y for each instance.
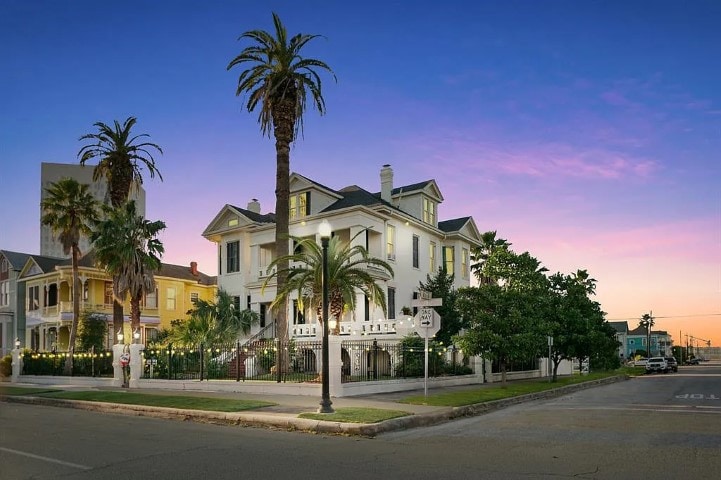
(656, 364)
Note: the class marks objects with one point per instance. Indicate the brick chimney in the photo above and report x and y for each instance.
(194, 268)
(386, 182)
(254, 206)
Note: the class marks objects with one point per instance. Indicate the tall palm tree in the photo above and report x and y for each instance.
(120, 160)
(70, 210)
(647, 321)
(127, 247)
(348, 274)
(214, 322)
(277, 79)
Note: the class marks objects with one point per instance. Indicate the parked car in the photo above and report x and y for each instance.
(672, 364)
(656, 364)
(641, 362)
(692, 361)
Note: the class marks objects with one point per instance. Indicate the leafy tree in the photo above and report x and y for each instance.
(348, 274)
(120, 159)
(278, 80)
(127, 247)
(212, 323)
(504, 317)
(69, 209)
(441, 286)
(93, 331)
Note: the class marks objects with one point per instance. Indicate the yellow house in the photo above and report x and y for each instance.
(47, 284)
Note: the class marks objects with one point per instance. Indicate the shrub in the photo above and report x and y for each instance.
(6, 368)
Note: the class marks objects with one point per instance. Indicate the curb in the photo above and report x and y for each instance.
(256, 419)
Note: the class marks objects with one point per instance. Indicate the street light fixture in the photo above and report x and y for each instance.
(324, 230)
(119, 336)
(136, 335)
(17, 343)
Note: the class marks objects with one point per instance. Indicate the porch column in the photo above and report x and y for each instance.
(335, 366)
(17, 364)
(136, 363)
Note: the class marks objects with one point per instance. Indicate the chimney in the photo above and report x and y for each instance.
(254, 206)
(386, 182)
(194, 268)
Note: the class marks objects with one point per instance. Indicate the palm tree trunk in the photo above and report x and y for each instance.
(117, 318)
(76, 311)
(135, 312)
(283, 121)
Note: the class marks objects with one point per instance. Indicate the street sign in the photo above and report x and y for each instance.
(427, 322)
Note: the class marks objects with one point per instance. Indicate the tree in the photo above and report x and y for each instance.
(348, 271)
(480, 255)
(69, 209)
(277, 80)
(127, 247)
(441, 286)
(647, 321)
(216, 322)
(93, 331)
(120, 159)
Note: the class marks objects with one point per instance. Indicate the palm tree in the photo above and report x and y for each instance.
(70, 210)
(214, 322)
(348, 274)
(127, 247)
(481, 254)
(120, 158)
(278, 79)
(647, 321)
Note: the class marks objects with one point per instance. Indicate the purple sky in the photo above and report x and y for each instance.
(587, 133)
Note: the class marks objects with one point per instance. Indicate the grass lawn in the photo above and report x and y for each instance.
(172, 401)
(356, 415)
(7, 390)
(512, 389)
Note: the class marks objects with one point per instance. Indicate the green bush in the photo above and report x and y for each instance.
(6, 368)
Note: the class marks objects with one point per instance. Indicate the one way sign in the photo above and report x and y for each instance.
(428, 322)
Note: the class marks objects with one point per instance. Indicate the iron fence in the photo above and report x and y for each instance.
(256, 360)
(90, 363)
(365, 360)
(516, 365)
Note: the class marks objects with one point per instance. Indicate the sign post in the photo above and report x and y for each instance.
(427, 322)
(550, 344)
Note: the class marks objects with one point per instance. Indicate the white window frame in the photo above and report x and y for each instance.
(171, 298)
(432, 257)
(429, 211)
(464, 262)
(391, 242)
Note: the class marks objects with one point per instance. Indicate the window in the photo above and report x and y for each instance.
(448, 259)
(263, 307)
(236, 303)
(4, 294)
(391, 303)
(464, 263)
(391, 242)
(86, 290)
(299, 205)
(432, 257)
(193, 297)
(170, 298)
(108, 295)
(416, 241)
(4, 265)
(220, 259)
(429, 211)
(233, 256)
(151, 298)
(298, 317)
(34, 297)
(366, 308)
(247, 302)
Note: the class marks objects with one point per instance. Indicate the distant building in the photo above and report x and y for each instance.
(53, 172)
(661, 342)
(12, 299)
(622, 338)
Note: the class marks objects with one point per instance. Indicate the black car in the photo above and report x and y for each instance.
(672, 364)
(692, 361)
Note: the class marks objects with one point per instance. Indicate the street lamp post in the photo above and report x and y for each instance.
(324, 230)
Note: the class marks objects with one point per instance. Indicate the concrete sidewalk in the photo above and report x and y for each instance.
(284, 414)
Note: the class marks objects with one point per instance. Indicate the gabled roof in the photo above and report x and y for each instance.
(353, 196)
(255, 217)
(410, 188)
(453, 225)
(182, 272)
(17, 260)
(620, 327)
(48, 264)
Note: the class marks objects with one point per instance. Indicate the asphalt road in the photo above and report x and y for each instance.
(655, 427)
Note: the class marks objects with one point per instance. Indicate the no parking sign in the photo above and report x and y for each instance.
(125, 359)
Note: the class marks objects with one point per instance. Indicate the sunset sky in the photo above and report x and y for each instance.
(585, 132)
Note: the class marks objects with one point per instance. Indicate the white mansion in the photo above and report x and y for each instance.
(399, 224)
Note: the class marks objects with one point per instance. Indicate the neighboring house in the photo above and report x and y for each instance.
(622, 338)
(53, 172)
(12, 300)
(661, 342)
(49, 305)
(398, 224)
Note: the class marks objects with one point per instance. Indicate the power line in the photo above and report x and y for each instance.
(669, 316)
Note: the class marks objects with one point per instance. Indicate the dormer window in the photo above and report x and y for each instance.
(429, 211)
(299, 205)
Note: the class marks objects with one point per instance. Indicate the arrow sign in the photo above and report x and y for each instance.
(428, 322)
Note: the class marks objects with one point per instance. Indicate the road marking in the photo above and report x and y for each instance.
(656, 408)
(46, 459)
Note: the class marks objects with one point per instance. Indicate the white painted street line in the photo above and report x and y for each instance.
(46, 459)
